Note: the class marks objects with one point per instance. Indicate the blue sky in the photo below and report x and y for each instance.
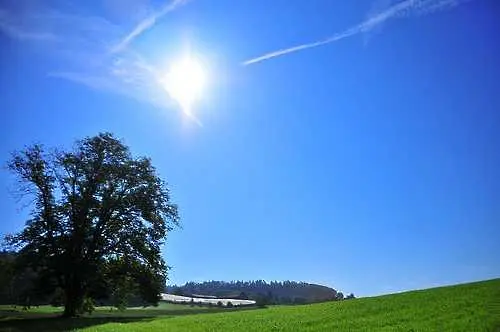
(369, 163)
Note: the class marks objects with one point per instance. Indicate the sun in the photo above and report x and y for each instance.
(185, 82)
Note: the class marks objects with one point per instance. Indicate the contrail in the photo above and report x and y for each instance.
(403, 8)
(146, 24)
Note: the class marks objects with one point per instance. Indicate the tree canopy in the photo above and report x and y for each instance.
(99, 219)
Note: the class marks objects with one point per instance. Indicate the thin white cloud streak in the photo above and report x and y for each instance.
(419, 8)
(16, 33)
(94, 82)
(366, 25)
(377, 7)
(14, 29)
(146, 24)
(79, 53)
(402, 8)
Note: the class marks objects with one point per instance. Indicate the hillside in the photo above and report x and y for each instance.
(286, 292)
(466, 307)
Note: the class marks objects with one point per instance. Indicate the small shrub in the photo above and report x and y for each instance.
(261, 302)
(88, 305)
(229, 304)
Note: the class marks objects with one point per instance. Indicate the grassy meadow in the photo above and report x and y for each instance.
(467, 307)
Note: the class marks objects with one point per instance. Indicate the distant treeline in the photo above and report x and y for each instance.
(274, 292)
(26, 287)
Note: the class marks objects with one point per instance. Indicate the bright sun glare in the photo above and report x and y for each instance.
(184, 82)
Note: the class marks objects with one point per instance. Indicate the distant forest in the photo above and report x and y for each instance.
(274, 292)
(26, 287)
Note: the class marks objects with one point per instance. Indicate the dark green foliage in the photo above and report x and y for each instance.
(177, 291)
(299, 300)
(57, 299)
(20, 284)
(88, 305)
(7, 276)
(220, 304)
(270, 298)
(350, 296)
(261, 301)
(121, 291)
(229, 304)
(99, 219)
(8, 290)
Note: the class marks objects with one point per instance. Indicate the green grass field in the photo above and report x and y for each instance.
(467, 307)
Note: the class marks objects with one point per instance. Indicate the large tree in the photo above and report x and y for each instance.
(98, 222)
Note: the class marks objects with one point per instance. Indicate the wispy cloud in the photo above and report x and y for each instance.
(13, 32)
(78, 46)
(147, 23)
(400, 9)
(11, 27)
(417, 9)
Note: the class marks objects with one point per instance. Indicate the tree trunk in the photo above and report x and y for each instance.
(73, 301)
(70, 310)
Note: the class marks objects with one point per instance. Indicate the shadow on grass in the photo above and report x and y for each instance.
(12, 321)
(58, 324)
